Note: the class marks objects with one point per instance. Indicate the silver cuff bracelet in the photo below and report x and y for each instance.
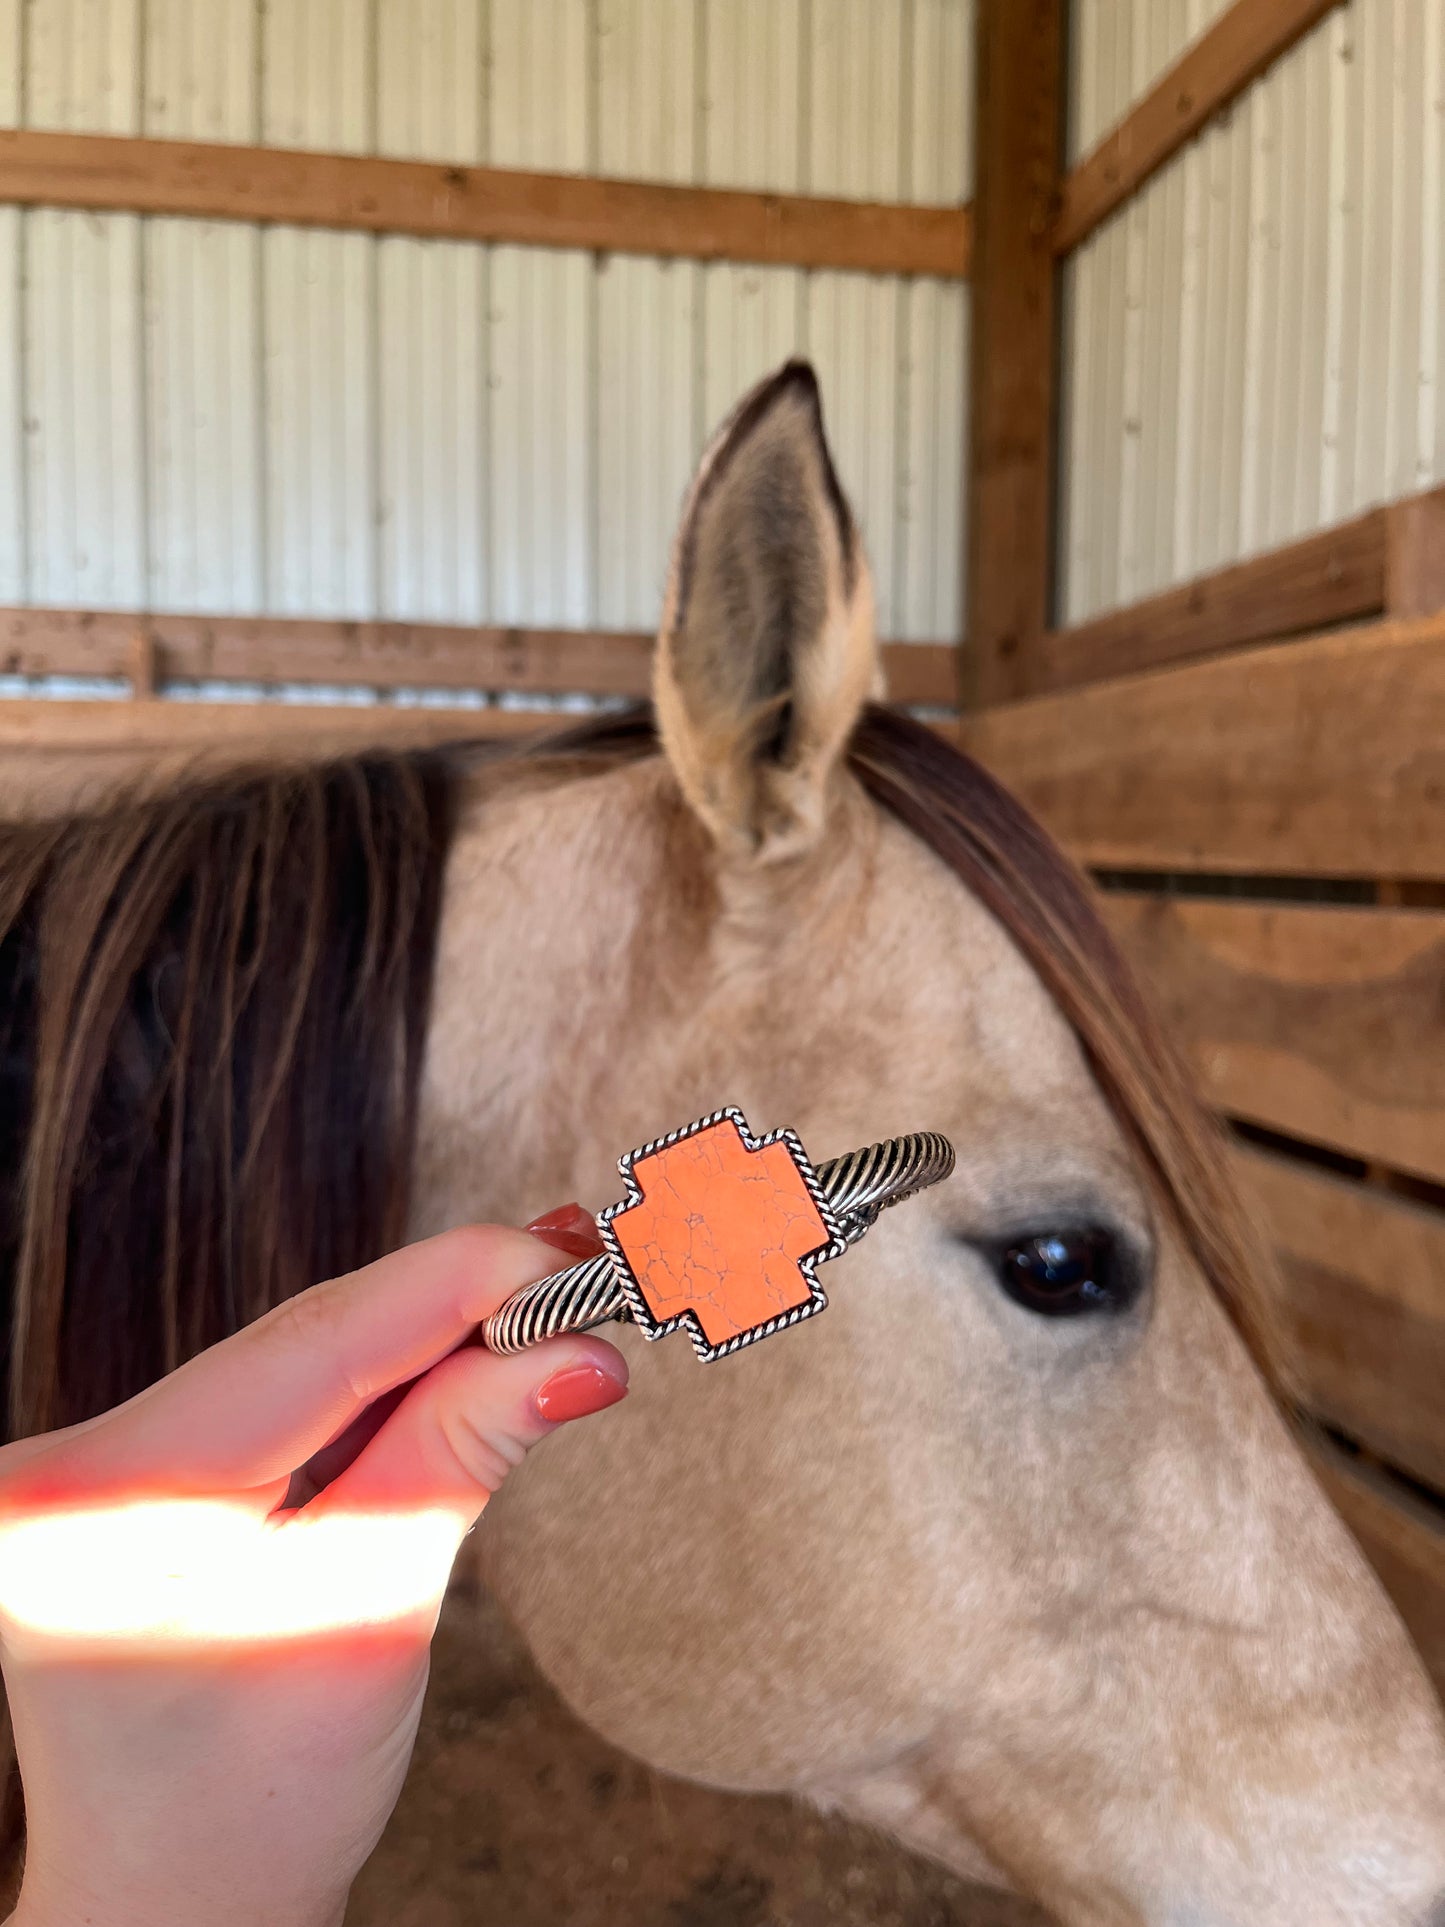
(721, 1233)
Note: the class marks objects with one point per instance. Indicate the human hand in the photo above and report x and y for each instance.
(215, 1698)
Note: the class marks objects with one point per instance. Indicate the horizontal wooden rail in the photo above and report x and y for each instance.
(63, 755)
(1322, 757)
(215, 181)
(1390, 560)
(386, 655)
(1360, 1305)
(1237, 49)
(131, 727)
(1336, 576)
(1324, 1023)
(382, 655)
(1403, 1540)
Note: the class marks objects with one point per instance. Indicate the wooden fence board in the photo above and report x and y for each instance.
(62, 755)
(1246, 39)
(1323, 757)
(1403, 1540)
(1336, 576)
(382, 655)
(1390, 561)
(83, 727)
(1325, 1023)
(1362, 1278)
(216, 181)
(1415, 554)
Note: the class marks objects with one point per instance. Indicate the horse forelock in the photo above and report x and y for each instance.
(212, 1015)
(1020, 875)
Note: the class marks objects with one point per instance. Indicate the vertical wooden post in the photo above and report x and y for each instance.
(143, 662)
(1414, 586)
(1415, 555)
(1012, 358)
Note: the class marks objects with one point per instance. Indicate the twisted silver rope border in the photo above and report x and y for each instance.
(858, 1186)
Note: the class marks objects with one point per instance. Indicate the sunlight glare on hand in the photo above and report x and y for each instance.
(162, 1572)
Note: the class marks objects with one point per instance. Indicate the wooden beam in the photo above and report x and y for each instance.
(922, 675)
(1338, 575)
(1361, 1304)
(383, 655)
(1323, 757)
(62, 755)
(307, 189)
(142, 663)
(1403, 1539)
(1415, 555)
(84, 727)
(65, 755)
(1012, 337)
(1324, 1023)
(1389, 560)
(1236, 50)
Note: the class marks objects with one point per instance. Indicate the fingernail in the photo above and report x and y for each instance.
(569, 1228)
(577, 1391)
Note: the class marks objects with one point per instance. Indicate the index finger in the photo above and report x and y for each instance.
(257, 1405)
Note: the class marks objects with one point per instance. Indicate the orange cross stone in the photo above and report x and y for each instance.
(721, 1231)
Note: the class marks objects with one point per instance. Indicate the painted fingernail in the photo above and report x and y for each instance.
(578, 1391)
(569, 1228)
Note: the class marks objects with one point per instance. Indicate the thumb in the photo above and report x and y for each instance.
(462, 1427)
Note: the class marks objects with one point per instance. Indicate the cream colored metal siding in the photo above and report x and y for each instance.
(852, 337)
(1117, 50)
(229, 418)
(648, 409)
(13, 574)
(319, 326)
(938, 168)
(855, 86)
(541, 335)
(85, 470)
(202, 318)
(432, 328)
(753, 134)
(1253, 347)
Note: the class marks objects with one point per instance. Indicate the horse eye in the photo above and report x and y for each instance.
(1063, 1274)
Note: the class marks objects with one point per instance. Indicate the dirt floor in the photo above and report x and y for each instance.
(516, 1816)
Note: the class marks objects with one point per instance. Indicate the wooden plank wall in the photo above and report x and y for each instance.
(1268, 819)
(1253, 766)
(359, 682)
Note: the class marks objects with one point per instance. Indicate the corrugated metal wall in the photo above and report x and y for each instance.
(1254, 347)
(208, 416)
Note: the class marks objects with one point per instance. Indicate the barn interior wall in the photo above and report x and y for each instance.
(217, 417)
(1254, 346)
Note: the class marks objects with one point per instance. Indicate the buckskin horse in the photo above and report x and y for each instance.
(1010, 1552)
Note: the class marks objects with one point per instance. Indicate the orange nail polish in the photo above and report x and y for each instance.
(569, 1228)
(578, 1391)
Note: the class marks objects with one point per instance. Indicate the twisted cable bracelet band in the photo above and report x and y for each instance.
(852, 1190)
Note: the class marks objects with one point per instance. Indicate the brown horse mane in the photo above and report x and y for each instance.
(213, 1008)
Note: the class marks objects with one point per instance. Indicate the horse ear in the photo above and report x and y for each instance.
(767, 652)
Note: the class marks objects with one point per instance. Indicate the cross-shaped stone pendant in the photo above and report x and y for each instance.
(721, 1232)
